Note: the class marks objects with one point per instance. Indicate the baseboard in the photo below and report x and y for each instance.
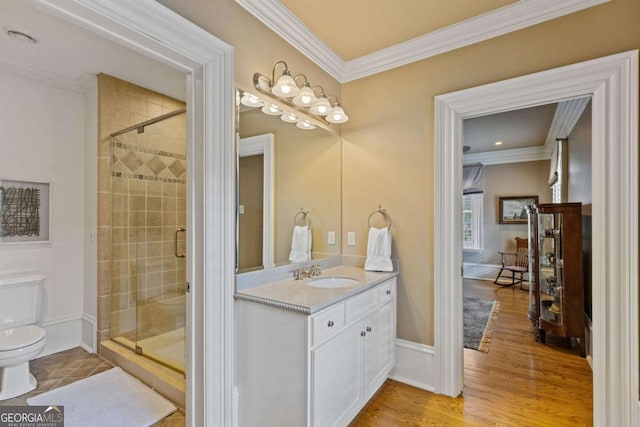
(89, 333)
(63, 333)
(414, 364)
(480, 271)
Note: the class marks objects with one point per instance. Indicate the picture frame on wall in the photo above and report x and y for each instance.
(512, 209)
(25, 214)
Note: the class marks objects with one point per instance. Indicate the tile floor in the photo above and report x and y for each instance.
(72, 365)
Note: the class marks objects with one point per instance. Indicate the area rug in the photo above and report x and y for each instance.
(110, 398)
(479, 317)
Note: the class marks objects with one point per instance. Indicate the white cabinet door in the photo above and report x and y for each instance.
(337, 384)
(378, 348)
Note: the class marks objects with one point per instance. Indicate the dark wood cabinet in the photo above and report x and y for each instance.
(556, 292)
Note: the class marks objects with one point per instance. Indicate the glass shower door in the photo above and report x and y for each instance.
(149, 167)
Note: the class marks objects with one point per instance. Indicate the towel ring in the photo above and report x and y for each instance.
(382, 212)
(305, 215)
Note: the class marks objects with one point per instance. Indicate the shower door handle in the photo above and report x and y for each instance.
(178, 230)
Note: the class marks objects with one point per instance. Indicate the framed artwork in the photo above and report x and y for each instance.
(512, 210)
(24, 211)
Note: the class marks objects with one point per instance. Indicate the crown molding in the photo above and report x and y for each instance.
(515, 155)
(56, 80)
(565, 118)
(284, 23)
(501, 21)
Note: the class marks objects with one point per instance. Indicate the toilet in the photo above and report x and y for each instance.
(21, 340)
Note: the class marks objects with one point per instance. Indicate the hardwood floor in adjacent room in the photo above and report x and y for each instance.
(519, 382)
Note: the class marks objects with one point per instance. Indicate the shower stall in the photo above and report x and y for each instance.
(148, 250)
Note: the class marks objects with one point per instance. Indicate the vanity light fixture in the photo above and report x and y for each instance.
(337, 115)
(253, 101)
(303, 99)
(322, 106)
(271, 109)
(305, 124)
(289, 117)
(250, 100)
(285, 87)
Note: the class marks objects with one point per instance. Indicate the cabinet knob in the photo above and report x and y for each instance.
(388, 291)
(368, 328)
(330, 324)
(362, 333)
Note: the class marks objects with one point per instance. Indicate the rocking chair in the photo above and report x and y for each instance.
(514, 263)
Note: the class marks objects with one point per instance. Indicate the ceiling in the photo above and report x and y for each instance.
(356, 28)
(358, 38)
(65, 52)
(524, 128)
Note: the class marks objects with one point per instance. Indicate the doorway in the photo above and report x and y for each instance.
(613, 84)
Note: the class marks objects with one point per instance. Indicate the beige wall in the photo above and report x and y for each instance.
(389, 141)
(256, 47)
(388, 148)
(512, 179)
(250, 186)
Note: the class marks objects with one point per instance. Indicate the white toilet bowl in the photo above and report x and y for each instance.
(17, 347)
(20, 339)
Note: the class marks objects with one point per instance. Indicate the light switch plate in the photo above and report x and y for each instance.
(331, 238)
(351, 238)
(241, 209)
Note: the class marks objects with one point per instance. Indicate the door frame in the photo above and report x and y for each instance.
(152, 29)
(253, 146)
(612, 83)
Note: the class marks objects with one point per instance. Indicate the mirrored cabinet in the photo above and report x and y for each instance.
(556, 293)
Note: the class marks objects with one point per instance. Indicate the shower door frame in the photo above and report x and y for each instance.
(151, 29)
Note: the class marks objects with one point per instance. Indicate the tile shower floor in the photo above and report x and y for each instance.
(69, 366)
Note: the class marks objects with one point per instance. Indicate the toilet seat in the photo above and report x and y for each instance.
(20, 337)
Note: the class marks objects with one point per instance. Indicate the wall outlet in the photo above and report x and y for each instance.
(331, 238)
(351, 238)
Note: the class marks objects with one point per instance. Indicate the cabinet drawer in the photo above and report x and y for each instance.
(327, 323)
(386, 291)
(360, 305)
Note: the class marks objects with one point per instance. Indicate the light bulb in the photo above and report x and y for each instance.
(305, 125)
(272, 110)
(251, 100)
(306, 97)
(321, 108)
(289, 118)
(337, 115)
(285, 87)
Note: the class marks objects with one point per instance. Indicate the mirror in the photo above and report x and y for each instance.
(283, 171)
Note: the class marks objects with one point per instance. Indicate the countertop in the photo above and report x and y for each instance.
(296, 295)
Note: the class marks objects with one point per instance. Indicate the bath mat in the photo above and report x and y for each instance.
(110, 398)
(479, 317)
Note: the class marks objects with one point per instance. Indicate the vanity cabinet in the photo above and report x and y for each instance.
(316, 370)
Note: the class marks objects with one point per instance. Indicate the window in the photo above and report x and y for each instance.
(472, 222)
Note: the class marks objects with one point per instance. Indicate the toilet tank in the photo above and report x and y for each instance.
(20, 295)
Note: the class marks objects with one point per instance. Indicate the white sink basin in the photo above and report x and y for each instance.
(333, 282)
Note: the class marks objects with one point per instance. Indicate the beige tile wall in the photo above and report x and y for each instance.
(141, 202)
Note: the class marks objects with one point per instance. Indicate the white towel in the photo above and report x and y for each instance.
(379, 250)
(300, 244)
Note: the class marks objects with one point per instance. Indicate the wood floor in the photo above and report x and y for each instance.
(519, 382)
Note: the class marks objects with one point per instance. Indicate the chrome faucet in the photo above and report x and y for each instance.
(306, 271)
(315, 271)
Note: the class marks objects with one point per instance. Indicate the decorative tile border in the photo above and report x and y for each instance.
(148, 150)
(147, 178)
(133, 161)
